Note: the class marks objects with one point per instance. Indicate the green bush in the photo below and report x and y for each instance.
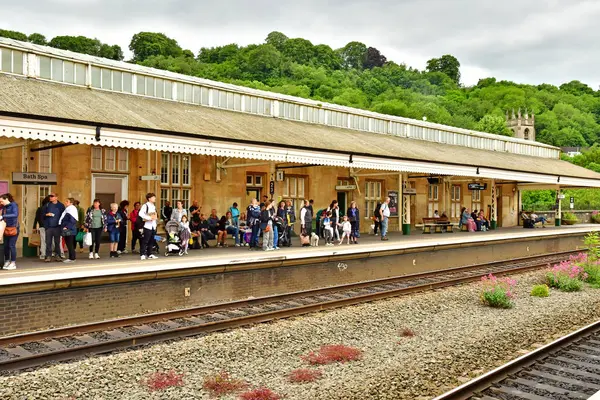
(540, 291)
(497, 292)
(569, 217)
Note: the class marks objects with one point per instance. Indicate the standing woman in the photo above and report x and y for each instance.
(135, 233)
(334, 209)
(10, 215)
(178, 212)
(68, 225)
(122, 212)
(354, 218)
(95, 222)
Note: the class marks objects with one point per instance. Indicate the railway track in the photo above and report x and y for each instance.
(566, 369)
(34, 349)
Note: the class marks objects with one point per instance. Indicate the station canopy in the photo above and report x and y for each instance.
(39, 110)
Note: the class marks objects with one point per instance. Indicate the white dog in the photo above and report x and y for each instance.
(314, 240)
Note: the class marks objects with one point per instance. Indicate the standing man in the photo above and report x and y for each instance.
(52, 212)
(253, 217)
(263, 203)
(167, 212)
(384, 218)
(80, 221)
(195, 212)
(148, 215)
(306, 217)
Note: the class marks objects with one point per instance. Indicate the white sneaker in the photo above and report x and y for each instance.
(142, 258)
(42, 257)
(96, 256)
(11, 266)
(6, 264)
(67, 261)
(185, 252)
(237, 245)
(124, 252)
(152, 257)
(118, 251)
(91, 257)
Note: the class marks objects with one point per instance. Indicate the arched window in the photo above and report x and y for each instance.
(526, 134)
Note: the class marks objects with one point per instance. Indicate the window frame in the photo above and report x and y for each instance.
(371, 200)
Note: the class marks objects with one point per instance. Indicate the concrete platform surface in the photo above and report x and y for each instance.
(31, 270)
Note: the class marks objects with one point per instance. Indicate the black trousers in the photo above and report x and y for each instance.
(135, 237)
(96, 236)
(147, 242)
(122, 237)
(53, 234)
(377, 226)
(70, 241)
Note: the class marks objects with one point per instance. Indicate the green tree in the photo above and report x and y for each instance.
(276, 39)
(264, 61)
(447, 64)
(146, 44)
(113, 52)
(78, 44)
(37, 38)
(324, 56)
(353, 55)
(298, 50)
(493, 124)
(13, 35)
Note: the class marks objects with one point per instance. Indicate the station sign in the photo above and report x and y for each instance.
(477, 186)
(572, 200)
(33, 178)
(279, 175)
(409, 191)
(561, 196)
(272, 187)
(150, 178)
(343, 188)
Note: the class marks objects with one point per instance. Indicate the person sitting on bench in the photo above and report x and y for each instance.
(527, 221)
(482, 223)
(534, 217)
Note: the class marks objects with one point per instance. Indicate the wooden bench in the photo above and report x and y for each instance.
(439, 225)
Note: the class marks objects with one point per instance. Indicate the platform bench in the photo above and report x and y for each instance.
(437, 225)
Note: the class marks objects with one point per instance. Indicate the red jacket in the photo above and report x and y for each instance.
(132, 217)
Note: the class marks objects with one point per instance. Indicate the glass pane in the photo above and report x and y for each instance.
(150, 86)
(6, 60)
(222, 99)
(293, 192)
(237, 102)
(254, 105)
(185, 198)
(164, 197)
(164, 168)
(123, 160)
(301, 187)
(197, 94)
(17, 62)
(106, 79)
(44, 66)
(160, 88)
(188, 93)
(169, 90)
(141, 84)
(185, 170)
(96, 157)
(261, 105)
(109, 162)
(204, 96)
(258, 180)
(127, 77)
(286, 187)
(117, 80)
(249, 180)
(80, 74)
(267, 107)
(174, 196)
(180, 91)
(230, 100)
(57, 70)
(175, 169)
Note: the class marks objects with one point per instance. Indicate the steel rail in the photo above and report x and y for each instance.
(485, 381)
(116, 344)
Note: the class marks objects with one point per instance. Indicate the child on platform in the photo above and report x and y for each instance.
(346, 229)
(184, 235)
(328, 230)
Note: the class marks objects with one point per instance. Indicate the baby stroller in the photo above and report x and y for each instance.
(284, 237)
(173, 242)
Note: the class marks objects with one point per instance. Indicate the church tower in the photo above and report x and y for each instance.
(523, 126)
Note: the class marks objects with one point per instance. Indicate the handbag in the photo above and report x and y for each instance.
(79, 237)
(10, 231)
(66, 232)
(35, 240)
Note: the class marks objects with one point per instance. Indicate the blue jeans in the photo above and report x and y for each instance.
(234, 231)
(275, 235)
(384, 226)
(114, 235)
(10, 247)
(255, 235)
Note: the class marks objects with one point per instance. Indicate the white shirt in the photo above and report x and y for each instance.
(302, 215)
(347, 226)
(385, 210)
(146, 209)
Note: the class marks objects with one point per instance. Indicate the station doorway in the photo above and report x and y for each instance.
(252, 194)
(110, 188)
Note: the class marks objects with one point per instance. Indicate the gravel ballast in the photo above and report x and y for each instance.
(456, 338)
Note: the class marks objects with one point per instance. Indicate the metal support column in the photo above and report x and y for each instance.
(400, 202)
(405, 206)
(558, 215)
(494, 211)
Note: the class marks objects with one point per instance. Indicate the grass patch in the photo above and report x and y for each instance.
(222, 384)
(162, 380)
(304, 375)
(333, 353)
(540, 291)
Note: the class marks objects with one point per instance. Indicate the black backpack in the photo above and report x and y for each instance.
(139, 222)
(377, 212)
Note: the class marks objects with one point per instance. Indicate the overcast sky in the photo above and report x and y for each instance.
(536, 41)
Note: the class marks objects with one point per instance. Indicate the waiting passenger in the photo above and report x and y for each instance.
(327, 229)
(123, 213)
(184, 234)
(135, 233)
(167, 211)
(68, 224)
(195, 212)
(290, 220)
(178, 212)
(482, 223)
(537, 219)
(148, 215)
(306, 217)
(354, 218)
(467, 220)
(334, 209)
(233, 227)
(346, 230)
(38, 223)
(10, 215)
(266, 225)
(475, 215)
(213, 221)
(253, 213)
(80, 222)
(52, 212)
(95, 223)
(222, 230)
(113, 226)
(436, 214)
(205, 231)
(195, 234)
(282, 222)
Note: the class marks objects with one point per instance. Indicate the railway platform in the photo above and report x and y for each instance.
(39, 295)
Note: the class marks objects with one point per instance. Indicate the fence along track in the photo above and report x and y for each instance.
(38, 348)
